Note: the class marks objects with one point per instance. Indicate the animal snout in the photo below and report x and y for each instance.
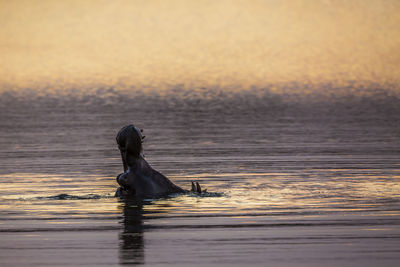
(121, 179)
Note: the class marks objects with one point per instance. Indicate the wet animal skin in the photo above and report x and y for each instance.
(139, 179)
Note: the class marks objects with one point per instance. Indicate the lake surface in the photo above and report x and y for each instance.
(291, 183)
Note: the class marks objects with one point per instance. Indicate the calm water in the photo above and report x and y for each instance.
(292, 183)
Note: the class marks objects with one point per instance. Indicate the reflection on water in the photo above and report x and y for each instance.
(132, 241)
(291, 183)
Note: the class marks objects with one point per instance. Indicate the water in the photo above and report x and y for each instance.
(292, 183)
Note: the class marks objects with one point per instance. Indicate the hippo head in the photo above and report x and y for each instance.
(129, 140)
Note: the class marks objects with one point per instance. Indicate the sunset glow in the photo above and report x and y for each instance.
(232, 44)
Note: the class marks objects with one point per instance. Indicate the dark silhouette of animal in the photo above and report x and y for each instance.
(139, 179)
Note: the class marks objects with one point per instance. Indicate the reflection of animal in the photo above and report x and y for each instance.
(131, 245)
(139, 178)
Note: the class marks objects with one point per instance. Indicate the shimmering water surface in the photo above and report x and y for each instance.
(291, 184)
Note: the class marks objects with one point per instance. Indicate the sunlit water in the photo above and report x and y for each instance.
(290, 184)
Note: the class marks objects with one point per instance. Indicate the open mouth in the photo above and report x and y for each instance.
(126, 189)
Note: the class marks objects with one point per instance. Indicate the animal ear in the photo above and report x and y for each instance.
(193, 187)
(198, 187)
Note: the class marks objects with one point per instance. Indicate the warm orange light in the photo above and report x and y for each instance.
(161, 44)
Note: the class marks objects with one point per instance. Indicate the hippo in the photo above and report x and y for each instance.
(139, 179)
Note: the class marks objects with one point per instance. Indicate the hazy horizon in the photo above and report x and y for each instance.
(286, 112)
(233, 45)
